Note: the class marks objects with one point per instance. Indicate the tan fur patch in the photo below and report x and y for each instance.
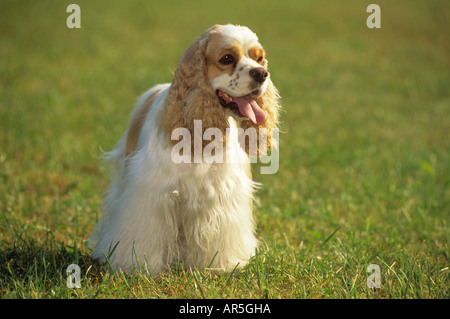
(256, 53)
(215, 70)
(137, 122)
(217, 48)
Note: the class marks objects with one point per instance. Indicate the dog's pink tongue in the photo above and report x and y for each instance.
(249, 108)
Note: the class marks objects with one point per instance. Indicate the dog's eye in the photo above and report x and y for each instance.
(259, 59)
(227, 59)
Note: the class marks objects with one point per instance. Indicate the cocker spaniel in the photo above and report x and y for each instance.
(194, 208)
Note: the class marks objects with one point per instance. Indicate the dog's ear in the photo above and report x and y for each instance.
(190, 96)
(270, 104)
(191, 70)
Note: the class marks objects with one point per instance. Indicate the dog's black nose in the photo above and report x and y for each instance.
(259, 74)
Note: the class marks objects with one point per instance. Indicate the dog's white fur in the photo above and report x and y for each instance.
(156, 211)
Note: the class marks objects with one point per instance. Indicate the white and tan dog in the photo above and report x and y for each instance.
(159, 211)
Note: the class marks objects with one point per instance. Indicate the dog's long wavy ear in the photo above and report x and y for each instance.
(191, 97)
(270, 103)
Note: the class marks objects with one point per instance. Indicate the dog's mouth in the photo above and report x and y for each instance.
(243, 106)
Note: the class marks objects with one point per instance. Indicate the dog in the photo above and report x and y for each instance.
(160, 210)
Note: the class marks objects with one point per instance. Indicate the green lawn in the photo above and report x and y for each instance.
(364, 173)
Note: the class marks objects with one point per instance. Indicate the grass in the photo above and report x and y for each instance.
(364, 157)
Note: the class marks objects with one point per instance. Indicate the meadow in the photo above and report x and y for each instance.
(364, 173)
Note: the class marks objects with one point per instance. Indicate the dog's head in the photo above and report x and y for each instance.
(223, 73)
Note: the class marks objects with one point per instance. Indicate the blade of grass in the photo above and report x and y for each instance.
(329, 237)
(197, 284)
